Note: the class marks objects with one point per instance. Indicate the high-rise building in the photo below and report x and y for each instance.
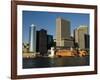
(81, 37)
(50, 41)
(32, 39)
(37, 41)
(87, 38)
(42, 41)
(63, 38)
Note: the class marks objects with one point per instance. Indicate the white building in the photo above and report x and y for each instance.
(52, 52)
(32, 39)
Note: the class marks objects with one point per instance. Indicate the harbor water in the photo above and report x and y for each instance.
(44, 62)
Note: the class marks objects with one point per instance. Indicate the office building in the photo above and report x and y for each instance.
(87, 38)
(81, 37)
(37, 41)
(42, 41)
(63, 38)
(50, 41)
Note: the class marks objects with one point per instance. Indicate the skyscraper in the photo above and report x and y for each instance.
(87, 38)
(81, 36)
(37, 41)
(63, 38)
(32, 39)
(50, 42)
(42, 41)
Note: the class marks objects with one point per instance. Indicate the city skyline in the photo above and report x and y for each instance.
(47, 21)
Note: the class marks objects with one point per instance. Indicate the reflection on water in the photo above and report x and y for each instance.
(41, 62)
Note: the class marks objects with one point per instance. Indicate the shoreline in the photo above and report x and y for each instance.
(33, 57)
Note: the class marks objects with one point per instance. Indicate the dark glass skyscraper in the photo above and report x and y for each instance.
(86, 36)
(42, 42)
(49, 41)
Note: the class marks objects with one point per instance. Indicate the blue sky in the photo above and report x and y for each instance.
(47, 21)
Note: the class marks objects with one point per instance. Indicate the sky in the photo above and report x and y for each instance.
(47, 21)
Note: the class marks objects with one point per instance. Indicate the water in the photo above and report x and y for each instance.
(42, 62)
